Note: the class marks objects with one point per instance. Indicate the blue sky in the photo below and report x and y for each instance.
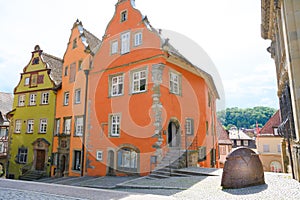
(229, 32)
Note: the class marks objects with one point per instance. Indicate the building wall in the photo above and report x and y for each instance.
(36, 113)
(138, 120)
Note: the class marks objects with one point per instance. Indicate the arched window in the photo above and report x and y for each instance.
(127, 159)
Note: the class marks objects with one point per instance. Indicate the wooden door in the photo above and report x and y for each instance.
(40, 160)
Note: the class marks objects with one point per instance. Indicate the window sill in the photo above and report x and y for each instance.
(78, 136)
(141, 92)
(42, 133)
(115, 96)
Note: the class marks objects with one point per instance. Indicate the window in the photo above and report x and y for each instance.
(124, 16)
(67, 126)
(77, 96)
(139, 81)
(125, 43)
(79, 126)
(3, 132)
(57, 127)
(117, 85)
(246, 143)
(238, 143)
(66, 71)
(74, 43)
(40, 79)
(30, 124)
(1, 147)
(32, 99)
(72, 72)
(127, 158)
(99, 155)
(33, 80)
(222, 150)
(202, 154)
(206, 127)
(209, 99)
(114, 47)
(18, 125)
(66, 98)
(22, 155)
(115, 121)
(189, 126)
(278, 148)
(77, 160)
(79, 65)
(45, 98)
(27, 81)
(43, 126)
(174, 83)
(138, 38)
(35, 61)
(266, 148)
(21, 100)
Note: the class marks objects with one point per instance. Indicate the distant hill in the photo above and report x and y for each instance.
(245, 117)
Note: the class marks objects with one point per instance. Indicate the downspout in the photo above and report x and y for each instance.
(83, 157)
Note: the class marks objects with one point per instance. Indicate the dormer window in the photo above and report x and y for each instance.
(124, 16)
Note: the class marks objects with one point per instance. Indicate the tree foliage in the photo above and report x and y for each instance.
(245, 117)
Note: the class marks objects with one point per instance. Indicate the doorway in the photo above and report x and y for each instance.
(40, 160)
(110, 163)
(173, 134)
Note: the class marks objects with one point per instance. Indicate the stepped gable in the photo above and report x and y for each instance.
(55, 65)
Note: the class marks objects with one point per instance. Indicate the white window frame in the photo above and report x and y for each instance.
(175, 83)
(79, 123)
(30, 126)
(18, 126)
(115, 125)
(125, 43)
(67, 126)
(278, 148)
(21, 100)
(238, 143)
(27, 81)
(43, 125)
(77, 96)
(138, 39)
(202, 153)
(57, 126)
(66, 98)
(114, 47)
(99, 155)
(45, 98)
(3, 132)
(117, 85)
(1, 147)
(136, 81)
(246, 143)
(22, 153)
(32, 99)
(189, 126)
(129, 158)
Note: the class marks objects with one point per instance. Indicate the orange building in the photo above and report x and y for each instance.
(70, 104)
(146, 102)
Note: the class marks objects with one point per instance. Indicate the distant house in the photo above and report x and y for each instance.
(6, 101)
(240, 139)
(269, 145)
(225, 144)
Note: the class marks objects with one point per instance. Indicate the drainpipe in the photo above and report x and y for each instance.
(83, 167)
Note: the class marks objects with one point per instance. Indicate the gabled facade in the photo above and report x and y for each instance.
(269, 145)
(71, 102)
(240, 139)
(6, 101)
(32, 117)
(281, 24)
(144, 101)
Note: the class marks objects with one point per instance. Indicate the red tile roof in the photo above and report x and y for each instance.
(223, 137)
(273, 122)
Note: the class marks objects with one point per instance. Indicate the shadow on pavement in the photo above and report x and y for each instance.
(247, 190)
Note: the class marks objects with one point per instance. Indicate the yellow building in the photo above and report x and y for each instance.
(281, 25)
(268, 144)
(32, 117)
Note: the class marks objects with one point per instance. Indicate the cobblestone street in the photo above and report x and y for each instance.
(278, 186)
